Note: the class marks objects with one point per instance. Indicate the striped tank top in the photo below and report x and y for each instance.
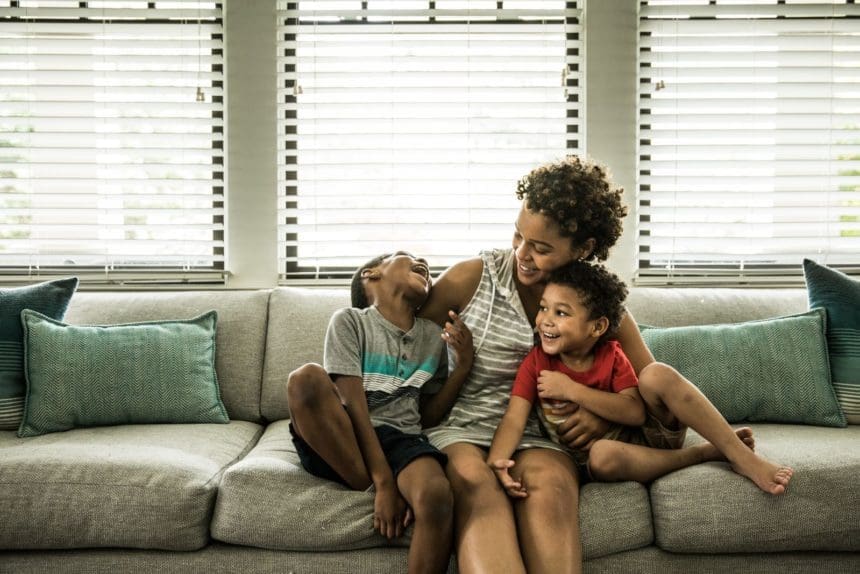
(503, 336)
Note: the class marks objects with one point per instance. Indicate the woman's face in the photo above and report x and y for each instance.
(540, 248)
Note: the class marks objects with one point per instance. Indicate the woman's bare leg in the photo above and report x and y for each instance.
(548, 519)
(675, 401)
(485, 534)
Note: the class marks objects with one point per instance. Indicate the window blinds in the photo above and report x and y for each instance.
(111, 140)
(749, 138)
(406, 125)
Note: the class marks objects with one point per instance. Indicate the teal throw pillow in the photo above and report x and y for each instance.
(839, 296)
(152, 372)
(773, 370)
(51, 299)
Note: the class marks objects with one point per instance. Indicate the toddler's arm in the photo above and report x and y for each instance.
(505, 441)
(625, 407)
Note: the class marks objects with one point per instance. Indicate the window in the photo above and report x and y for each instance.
(111, 140)
(749, 139)
(406, 125)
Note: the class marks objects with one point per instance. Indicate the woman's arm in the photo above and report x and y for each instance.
(459, 338)
(452, 290)
(632, 344)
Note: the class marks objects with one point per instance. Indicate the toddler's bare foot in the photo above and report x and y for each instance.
(771, 478)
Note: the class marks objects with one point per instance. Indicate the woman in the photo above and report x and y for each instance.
(570, 211)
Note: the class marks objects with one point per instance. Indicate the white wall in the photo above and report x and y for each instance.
(250, 39)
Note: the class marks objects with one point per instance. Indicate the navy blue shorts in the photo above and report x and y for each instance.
(399, 448)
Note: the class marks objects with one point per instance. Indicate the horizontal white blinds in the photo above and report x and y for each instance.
(749, 137)
(111, 139)
(406, 125)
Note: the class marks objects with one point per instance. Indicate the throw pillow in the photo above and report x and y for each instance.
(839, 296)
(51, 299)
(773, 370)
(152, 372)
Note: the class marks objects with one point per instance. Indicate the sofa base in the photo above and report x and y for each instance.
(227, 559)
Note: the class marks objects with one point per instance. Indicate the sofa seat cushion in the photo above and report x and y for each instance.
(267, 500)
(133, 486)
(708, 508)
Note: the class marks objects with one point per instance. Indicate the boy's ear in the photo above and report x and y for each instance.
(599, 327)
(371, 274)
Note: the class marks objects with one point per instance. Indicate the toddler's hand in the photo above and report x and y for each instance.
(514, 488)
(553, 385)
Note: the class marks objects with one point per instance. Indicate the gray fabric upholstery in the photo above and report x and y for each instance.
(297, 322)
(652, 560)
(268, 500)
(708, 508)
(666, 307)
(226, 559)
(240, 334)
(135, 486)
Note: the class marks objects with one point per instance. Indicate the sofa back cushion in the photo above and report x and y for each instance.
(678, 307)
(239, 341)
(297, 322)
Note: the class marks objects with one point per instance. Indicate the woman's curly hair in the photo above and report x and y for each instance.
(579, 196)
(603, 293)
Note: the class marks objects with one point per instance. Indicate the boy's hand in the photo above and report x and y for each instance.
(514, 488)
(459, 339)
(555, 386)
(390, 513)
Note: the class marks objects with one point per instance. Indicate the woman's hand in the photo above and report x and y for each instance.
(581, 428)
(459, 339)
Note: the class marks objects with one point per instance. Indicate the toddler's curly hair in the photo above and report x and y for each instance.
(579, 196)
(603, 292)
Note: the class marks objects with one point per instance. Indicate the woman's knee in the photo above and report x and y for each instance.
(471, 477)
(306, 385)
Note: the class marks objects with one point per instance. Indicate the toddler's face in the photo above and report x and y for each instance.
(563, 321)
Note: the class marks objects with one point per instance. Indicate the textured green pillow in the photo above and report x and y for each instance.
(839, 295)
(50, 298)
(773, 370)
(153, 372)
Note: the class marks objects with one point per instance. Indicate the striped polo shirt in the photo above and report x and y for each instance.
(395, 366)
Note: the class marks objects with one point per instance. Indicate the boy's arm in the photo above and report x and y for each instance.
(625, 407)
(389, 508)
(434, 407)
(505, 441)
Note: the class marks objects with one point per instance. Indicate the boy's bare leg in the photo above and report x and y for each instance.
(612, 460)
(485, 533)
(319, 418)
(675, 401)
(548, 519)
(424, 486)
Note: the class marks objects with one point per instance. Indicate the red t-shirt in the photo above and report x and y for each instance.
(611, 371)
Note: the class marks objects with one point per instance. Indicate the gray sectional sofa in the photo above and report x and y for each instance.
(232, 497)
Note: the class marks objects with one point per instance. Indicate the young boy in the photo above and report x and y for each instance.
(358, 420)
(581, 307)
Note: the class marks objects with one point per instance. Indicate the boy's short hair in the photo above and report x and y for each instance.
(358, 293)
(603, 293)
